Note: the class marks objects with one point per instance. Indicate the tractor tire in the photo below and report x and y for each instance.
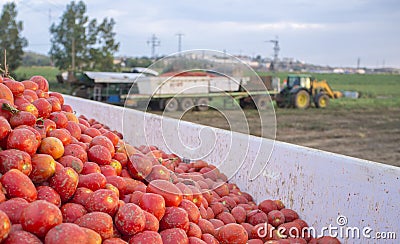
(186, 104)
(301, 99)
(321, 100)
(171, 105)
(202, 104)
(262, 103)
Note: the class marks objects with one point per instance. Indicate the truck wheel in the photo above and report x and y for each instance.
(187, 104)
(321, 100)
(202, 104)
(262, 103)
(301, 99)
(171, 105)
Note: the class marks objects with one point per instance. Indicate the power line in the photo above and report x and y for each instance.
(154, 42)
(179, 41)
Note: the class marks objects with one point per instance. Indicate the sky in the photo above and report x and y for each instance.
(326, 32)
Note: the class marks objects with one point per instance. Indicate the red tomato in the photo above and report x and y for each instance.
(72, 211)
(16, 184)
(146, 237)
(100, 222)
(175, 217)
(172, 195)
(130, 219)
(24, 140)
(153, 203)
(174, 236)
(40, 216)
(232, 233)
(102, 200)
(5, 225)
(13, 208)
(65, 183)
(15, 159)
(42, 83)
(66, 233)
(49, 194)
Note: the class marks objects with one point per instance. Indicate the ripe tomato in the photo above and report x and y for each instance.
(49, 194)
(30, 85)
(100, 222)
(66, 233)
(43, 106)
(99, 154)
(42, 83)
(175, 217)
(17, 184)
(39, 217)
(153, 203)
(5, 93)
(103, 200)
(65, 183)
(22, 139)
(146, 237)
(5, 225)
(130, 219)
(171, 194)
(174, 236)
(52, 146)
(15, 159)
(13, 208)
(43, 167)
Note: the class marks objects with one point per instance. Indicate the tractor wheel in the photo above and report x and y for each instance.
(262, 103)
(321, 100)
(280, 100)
(301, 99)
(202, 104)
(171, 105)
(186, 104)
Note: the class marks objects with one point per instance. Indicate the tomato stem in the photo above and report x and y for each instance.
(9, 108)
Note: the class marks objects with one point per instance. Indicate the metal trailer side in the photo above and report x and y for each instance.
(319, 185)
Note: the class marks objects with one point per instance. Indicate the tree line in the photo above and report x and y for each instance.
(77, 41)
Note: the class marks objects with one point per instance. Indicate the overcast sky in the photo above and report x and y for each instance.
(325, 32)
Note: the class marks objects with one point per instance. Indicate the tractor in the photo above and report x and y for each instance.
(302, 90)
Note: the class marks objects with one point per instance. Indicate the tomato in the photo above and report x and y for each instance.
(255, 217)
(40, 216)
(209, 239)
(267, 205)
(122, 158)
(30, 95)
(158, 172)
(92, 236)
(60, 119)
(57, 95)
(174, 236)
(15, 159)
(43, 106)
(93, 181)
(171, 194)
(103, 141)
(13, 208)
(5, 225)
(154, 204)
(22, 139)
(5, 128)
(239, 213)
(66, 233)
(92, 132)
(130, 219)
(194, 230)
(108, 170)
(81, 195)
(17, 88)
(191, 209)
(90, 167)
(17, 184)
(5, 93)
(232, 234)
(151, 222)
(22, 118)
(139, 166)
(112, 136)
(43, 167)
(30, 85)
(67, 108)
(49, 194)
(100, 222)
(76, 151)
(118, 182)
(72, 162)
(42, 83)
(21, 236)
(30, 108)
(175, 217)
(65, 183)
(102, 200)
(146, 237)
(74, 129)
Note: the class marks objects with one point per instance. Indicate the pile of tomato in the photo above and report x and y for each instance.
(69, 179)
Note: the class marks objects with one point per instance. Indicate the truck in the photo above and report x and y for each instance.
(174, 91)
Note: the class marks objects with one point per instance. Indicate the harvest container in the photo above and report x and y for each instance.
(321, 186)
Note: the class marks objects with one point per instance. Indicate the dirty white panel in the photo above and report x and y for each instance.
(318, 184)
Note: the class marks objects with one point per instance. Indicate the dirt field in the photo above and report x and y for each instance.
(372, 134)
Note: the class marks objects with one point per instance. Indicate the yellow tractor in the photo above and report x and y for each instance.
(303, 90)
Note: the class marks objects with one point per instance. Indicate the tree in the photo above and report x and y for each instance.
(10, 38)
(78, 42)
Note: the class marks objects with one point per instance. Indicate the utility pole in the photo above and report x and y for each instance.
(358, 62)
(179, 41)
(154, 42)
(276, 52)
